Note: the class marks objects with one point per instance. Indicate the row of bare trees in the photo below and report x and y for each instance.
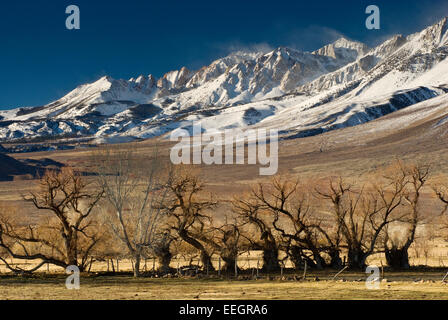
(137, 207)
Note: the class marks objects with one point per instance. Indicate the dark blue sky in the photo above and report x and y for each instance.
(40, 60)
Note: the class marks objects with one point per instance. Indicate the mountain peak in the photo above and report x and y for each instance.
(105, 78)
(435, 35)
(343, 47)
(444, 20)
(175, 79)
(346, 43)
(283, 51)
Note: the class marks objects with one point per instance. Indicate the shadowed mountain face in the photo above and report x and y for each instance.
(341, 85)
(11, 168)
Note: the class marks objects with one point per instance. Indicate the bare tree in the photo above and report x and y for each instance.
(396, 249)
(229, 239)
(161, 248)
(251, 213)
(66, 236)
(224, 240)
(441, 191)
(133, 191)
(296, 221)
(362, 215)
(187, 209)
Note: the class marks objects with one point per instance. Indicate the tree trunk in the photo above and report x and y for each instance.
(206, 261)
(270, 259)
(205, 257)
(335, 259)
(164, 256)
(229, 262)
(397, 258)
(319, 261)
(356, 259)
(270, 253)
(137, 265)
(296, 256)
(70, 249)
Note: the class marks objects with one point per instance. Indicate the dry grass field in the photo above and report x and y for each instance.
(350, 286)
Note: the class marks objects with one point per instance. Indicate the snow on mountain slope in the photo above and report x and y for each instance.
(433, 113)
(81, 100)
(347, 111)
(218, 67)
(300, 93)
(266, 76)
(353, 71)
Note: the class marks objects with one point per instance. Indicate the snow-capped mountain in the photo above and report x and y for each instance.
(300, 93)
